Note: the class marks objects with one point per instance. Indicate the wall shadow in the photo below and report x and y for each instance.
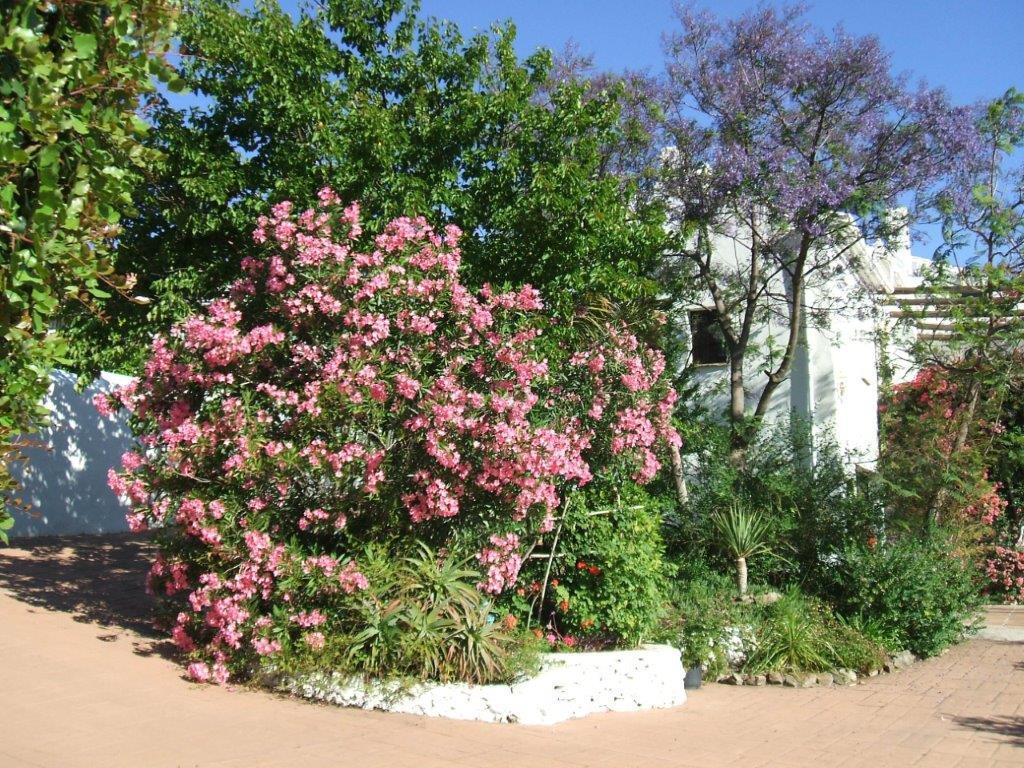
(64, 480)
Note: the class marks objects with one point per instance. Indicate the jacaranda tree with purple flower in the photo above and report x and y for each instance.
(794, 144)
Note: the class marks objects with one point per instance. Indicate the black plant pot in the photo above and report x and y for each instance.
(693, 678)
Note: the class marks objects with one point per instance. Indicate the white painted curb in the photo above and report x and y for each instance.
(569, 685)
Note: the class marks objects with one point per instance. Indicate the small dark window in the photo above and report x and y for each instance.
(706, 340)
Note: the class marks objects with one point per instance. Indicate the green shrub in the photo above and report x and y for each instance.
(791, 637)
(853, 648)
(606, 583)
(906, 594)
(794, 634)
(698, 622)
(813, 512)
(800, 634)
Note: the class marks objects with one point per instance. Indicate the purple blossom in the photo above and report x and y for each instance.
(772, 115)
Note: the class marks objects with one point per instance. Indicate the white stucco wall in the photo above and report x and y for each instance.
(833, 383)
(844, 365)
(65, 478)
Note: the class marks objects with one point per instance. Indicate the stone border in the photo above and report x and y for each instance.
(901, 660)
(569, 685)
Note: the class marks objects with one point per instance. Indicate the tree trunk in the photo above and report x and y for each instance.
(741, 575)
(795, 331)
(737, 411)
(682, 494)
(962, 433)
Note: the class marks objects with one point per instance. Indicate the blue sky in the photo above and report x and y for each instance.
(971, 47)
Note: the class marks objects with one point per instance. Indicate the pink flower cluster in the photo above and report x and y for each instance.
(989, 506)
(502, 561)
(1005, 572)
(349, 389)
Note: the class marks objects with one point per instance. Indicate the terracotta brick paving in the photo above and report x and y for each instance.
(85, 683)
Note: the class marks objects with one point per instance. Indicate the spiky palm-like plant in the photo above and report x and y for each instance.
(745, 533)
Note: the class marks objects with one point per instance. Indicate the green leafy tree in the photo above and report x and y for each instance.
(403, 114)
(71, 77)
(967, 319)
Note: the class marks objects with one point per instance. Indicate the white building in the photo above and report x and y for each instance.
(834, 381)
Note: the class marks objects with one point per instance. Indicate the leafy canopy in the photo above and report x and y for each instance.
(792, 145)
(406, 115)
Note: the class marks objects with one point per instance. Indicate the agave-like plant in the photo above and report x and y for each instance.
(423, 618)
(793, 639)
(479, 649)
(445, 584)
(745, 533)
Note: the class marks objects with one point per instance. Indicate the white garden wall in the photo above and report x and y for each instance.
(569, 685)
(65, 478)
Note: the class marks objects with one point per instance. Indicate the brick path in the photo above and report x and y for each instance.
(86, 684)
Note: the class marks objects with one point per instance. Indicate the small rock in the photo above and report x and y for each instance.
(790, 682)
(734, 679)
(872, 673)
(768, 598)
(845, 677)
(903, 659)
(775, 678)
(760, 680)
(824, 678)
(808, 681)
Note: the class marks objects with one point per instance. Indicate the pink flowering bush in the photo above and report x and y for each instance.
(349, 390)
(980, 476)
(1005, 572)
(921, 419)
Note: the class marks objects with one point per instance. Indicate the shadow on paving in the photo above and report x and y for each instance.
(96, 579)
(1008, 726)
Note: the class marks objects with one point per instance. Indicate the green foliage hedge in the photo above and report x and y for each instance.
(796, 633)
(906, 594)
